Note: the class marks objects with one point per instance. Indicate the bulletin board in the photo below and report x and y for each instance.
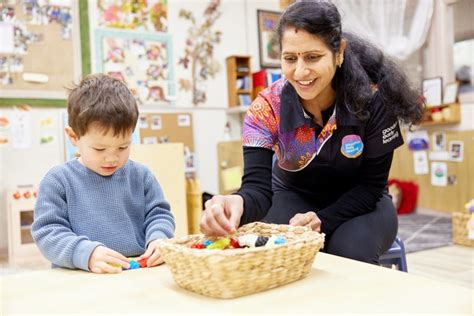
(155, 128)
(143, 60)
(459, 190)
(40, 50)
(166, 128)
(151, 15)
(158, 127)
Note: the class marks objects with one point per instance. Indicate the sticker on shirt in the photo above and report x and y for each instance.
(352, 146)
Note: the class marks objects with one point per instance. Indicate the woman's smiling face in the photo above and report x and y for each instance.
(308, 64)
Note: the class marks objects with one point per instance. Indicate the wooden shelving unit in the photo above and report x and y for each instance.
(443, 114)
(239, 80)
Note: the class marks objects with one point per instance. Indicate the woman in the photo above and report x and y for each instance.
(333, 126)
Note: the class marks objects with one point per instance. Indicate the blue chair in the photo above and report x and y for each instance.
(395, 256)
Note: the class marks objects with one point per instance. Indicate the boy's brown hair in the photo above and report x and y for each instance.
(102, 99)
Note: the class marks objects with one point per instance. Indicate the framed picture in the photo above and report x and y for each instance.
(40, 50)
(143, 60)
(450, 93)
(456, 151)
(269, 47)
(432, 91)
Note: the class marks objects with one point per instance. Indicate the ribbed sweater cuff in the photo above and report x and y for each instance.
(156, 235)
(82, 253)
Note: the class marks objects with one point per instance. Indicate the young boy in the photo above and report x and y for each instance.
(94, 211)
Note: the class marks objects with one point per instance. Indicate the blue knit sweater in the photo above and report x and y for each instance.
(78, 210)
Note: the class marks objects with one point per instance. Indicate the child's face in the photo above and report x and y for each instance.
(102, 153)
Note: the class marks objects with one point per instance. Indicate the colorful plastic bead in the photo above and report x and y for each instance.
(134, 265)
(261, 241)
(247, 240)
(219, 244)
(207, 242)
(198, 245)
(234, 243)
(143, 262)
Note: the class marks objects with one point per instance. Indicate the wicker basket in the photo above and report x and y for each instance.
(460, 233)
(237, 272)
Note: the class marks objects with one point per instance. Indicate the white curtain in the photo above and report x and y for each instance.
(398, 27)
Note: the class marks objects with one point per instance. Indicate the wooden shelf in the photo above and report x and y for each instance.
(244, 91)
(237, 78)
(444, 114)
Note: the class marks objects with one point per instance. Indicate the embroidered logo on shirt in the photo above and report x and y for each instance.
(352, 146)
(390, 133)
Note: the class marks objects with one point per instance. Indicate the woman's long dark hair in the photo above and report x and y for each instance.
(364, 64)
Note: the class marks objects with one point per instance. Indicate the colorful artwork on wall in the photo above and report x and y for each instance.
(269, 46)
(199, 52)
(142, 15)
(142, 60)
(28, 69)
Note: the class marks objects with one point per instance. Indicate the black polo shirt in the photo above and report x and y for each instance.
(343, 180)
(333, 171)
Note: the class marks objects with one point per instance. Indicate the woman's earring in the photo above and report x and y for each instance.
(341, 60)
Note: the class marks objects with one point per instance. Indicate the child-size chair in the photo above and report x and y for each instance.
(395, 256)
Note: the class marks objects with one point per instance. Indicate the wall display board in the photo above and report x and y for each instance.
(143, 60)
(155, 128)
(151, 15)
(39, 48)
(448, 185)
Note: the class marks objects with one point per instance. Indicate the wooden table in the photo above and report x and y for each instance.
(334, 285)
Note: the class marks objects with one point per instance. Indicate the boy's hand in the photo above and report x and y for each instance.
(106, 260)
(153, 254)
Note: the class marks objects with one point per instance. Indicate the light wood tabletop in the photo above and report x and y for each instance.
(334, 285)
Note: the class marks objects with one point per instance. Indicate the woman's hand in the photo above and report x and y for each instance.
(106, 260)
(152, 254)
(309, 219)
(222, 215)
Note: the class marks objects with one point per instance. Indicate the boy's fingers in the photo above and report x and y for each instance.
(119, 262)
(147, 253)
(107, 268)
(156, 261)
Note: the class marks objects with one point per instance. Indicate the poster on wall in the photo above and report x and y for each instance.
(438, 141)
(420, 159)
(439, 174)
(150, 16)
(143, 60)
(456, 151)
(29, 68)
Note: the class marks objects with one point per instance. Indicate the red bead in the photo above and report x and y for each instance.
(143, 262)
(234, 243)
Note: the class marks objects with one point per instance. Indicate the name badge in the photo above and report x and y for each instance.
(352, 146)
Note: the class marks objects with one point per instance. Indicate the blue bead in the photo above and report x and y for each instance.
(280, 240)
(134, 265)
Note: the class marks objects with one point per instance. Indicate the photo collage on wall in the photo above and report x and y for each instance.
(27, 29)
(131, 44)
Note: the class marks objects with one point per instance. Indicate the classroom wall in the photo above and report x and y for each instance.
(450, 198)
(238, 24)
